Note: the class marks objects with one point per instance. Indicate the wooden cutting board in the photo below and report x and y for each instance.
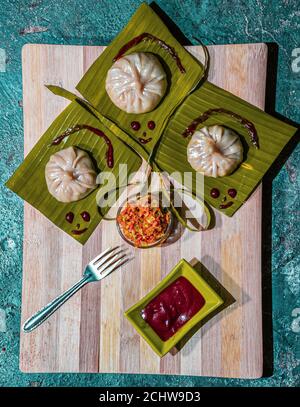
(89, 333)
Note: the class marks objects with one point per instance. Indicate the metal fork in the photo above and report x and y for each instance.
(97, 269)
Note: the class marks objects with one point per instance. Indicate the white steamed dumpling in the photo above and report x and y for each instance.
(70, 175)
(136, 82)
(215, 151)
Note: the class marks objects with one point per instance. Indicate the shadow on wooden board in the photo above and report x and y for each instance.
(219, 289)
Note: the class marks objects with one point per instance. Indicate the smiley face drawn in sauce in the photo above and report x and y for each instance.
(215, 193)
(136, 127)
(70, 218)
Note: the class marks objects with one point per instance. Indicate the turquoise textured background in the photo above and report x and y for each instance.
(95, 22)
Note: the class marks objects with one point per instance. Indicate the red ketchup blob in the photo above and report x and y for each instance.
(172, 308)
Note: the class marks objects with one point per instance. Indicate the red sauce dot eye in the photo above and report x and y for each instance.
(69, 217)
(145, 141)
(85, 216)
(172, 308)
(232, 192)
(135, 125)
(214, 193)
(151, 125)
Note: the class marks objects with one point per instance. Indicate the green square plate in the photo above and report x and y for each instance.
(212, 302)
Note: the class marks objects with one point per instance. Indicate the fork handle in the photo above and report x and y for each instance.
(43, 314)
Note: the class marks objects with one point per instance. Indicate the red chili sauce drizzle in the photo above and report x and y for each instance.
(189, 131)
(79, 232)
(225, 206)
(145, 141)
(78, 127)
(172, 308)
(135, 125)
(146, 36)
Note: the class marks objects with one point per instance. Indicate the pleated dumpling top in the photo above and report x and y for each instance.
(70, 175)
(136, 82)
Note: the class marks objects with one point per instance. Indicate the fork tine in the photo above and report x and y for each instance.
(104, 264)
(101, 255)
(105, 260)
(114, 266)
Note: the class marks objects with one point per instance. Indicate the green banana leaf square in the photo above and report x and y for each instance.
(92, 85)
(273, 135)
(29, 179)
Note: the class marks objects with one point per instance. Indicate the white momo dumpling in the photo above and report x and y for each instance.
(70, 175)
(215, 151)
(136, 82)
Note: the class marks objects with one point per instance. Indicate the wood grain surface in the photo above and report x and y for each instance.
(90, 333)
